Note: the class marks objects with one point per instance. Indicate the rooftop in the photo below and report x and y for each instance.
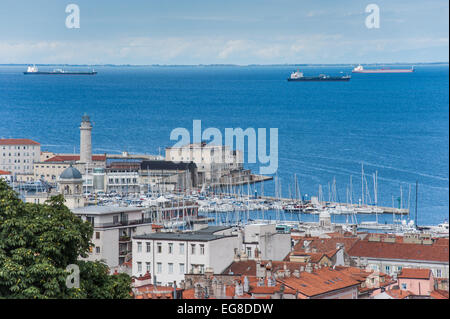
(166, 165)
(74, 158)
(415, 273)
(18, 141)
(4, 172)
(191, 236)
(402, 251)
(213, 229)
(320, 281)
(103, 210)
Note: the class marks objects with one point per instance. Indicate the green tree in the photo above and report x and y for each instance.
(38, 242)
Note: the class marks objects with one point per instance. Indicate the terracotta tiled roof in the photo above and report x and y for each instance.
(405, 251)
(248, 268)
(439, 294)
(324, 245)
(18, 141)
(398, 293)
(415, 273)
(68, 158)
(4, 172)
(319, 282)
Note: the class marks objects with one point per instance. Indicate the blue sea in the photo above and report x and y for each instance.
(395, 124)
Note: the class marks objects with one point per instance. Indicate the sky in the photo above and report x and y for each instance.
(223, 32)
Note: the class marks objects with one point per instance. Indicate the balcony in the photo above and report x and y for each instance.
(124, 252)
(124, 239)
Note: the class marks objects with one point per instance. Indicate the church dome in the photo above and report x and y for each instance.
(70, 173)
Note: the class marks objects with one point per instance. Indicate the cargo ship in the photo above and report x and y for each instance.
(34, 70)
(360, 69)
(298, 76)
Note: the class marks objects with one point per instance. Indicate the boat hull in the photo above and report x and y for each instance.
(60, 73)
(385, 71)
(319, 79)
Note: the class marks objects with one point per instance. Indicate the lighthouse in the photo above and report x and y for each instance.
(85, 140)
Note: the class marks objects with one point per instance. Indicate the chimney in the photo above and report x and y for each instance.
(174, 289)
(309, 268)
(296, 273)
(246, 284)
(239, 290)
(198, 291)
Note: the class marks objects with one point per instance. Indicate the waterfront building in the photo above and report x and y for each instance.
(18, 155)
(213, 161)
(6, 176)
(169, 256)
(113, 230)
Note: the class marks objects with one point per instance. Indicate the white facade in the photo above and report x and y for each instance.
(269, 243)
(168, 256)
(210, 159)
(18, 155)
(394, 266)
(113, 230)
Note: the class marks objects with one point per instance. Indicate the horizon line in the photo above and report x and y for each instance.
(223, 64)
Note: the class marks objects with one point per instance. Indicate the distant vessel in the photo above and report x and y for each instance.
(360, 69)
(298, 76)
(34, 70)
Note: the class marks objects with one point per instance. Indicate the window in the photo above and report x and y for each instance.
(97, 250)
(139, 247)
(97, 235)
(139, 266)
(148, 247)
(438, 273)
(147, 267)
(159, 245)
(388, 269)
(181, 269)
(249, 252)
(404, 286)
(193, 249)
(170, 248)
(158, 268)
(202, 269)
(181, 249)
(170, 268)
(202, 249)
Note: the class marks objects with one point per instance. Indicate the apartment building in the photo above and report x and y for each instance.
(113, 230)
(264, 241)
(18, 155)
(390, 254)
(169, 256)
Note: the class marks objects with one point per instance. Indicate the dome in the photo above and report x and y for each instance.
(70, 173)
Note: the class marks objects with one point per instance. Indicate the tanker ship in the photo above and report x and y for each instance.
(34, 70)
(360, 69)
(298, 76)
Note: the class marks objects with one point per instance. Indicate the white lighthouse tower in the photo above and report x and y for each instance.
(85, 140)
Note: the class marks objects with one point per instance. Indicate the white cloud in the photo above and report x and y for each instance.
(203, 50)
